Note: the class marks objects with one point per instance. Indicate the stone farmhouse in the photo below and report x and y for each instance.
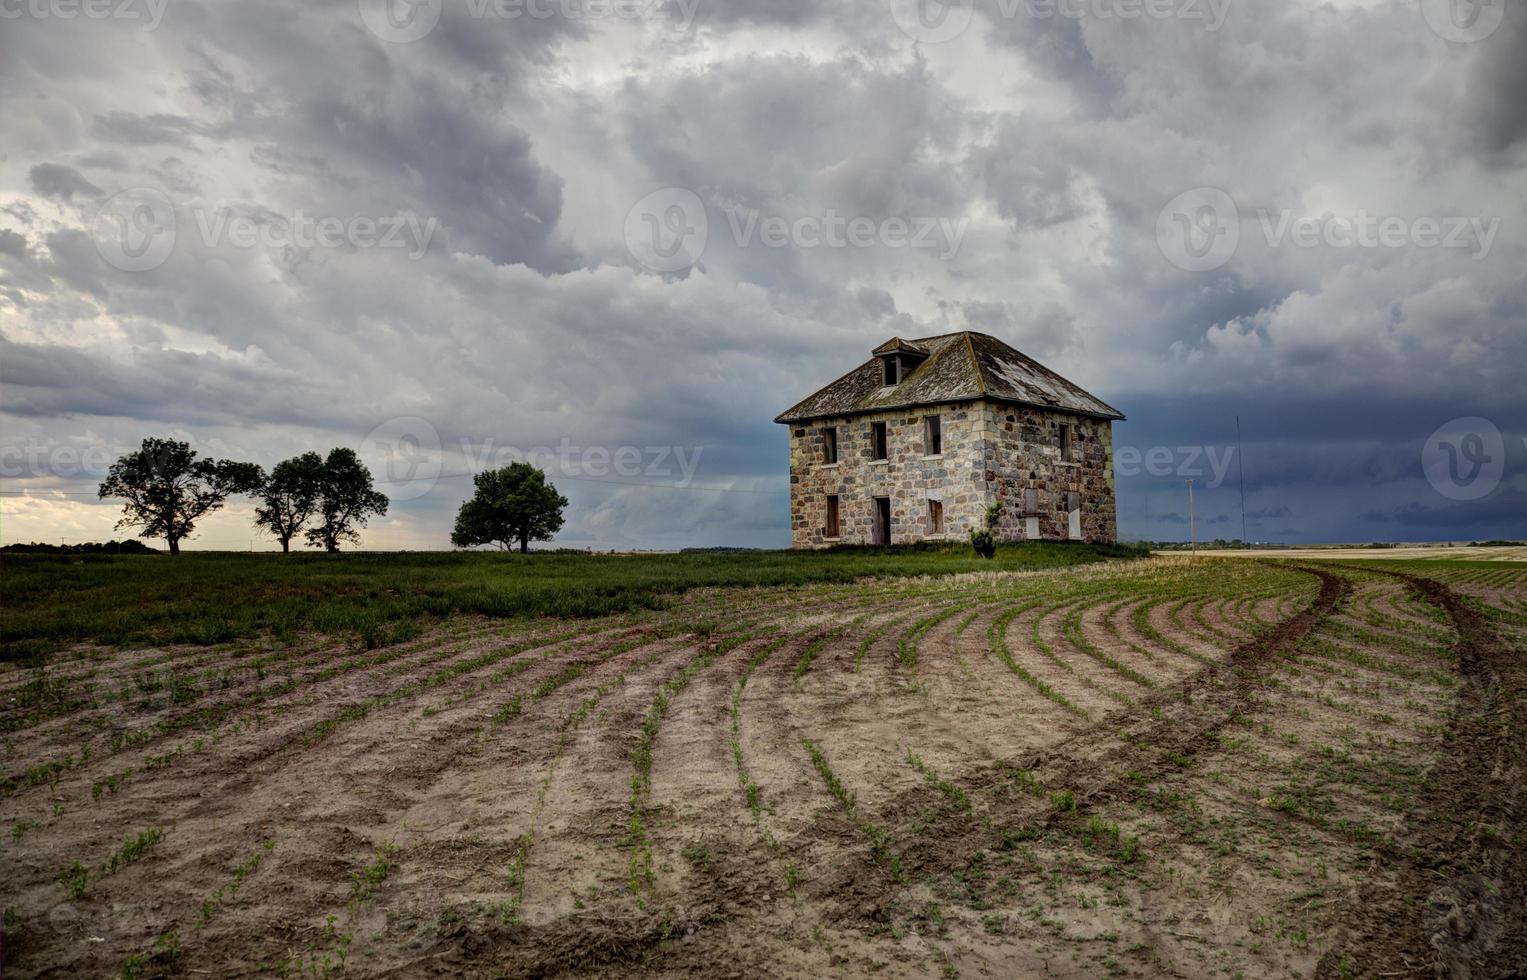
(915, 443)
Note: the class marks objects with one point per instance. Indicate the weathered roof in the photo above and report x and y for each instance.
(960, 367)
(896, 345)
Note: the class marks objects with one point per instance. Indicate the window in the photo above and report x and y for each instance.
(833, 529)
(1064, 441)
(878, 441)
(830, 443)
(1031, 501)
(935, 517)
(935, 435)
(892, 371)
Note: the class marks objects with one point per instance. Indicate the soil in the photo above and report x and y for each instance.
(1312, 769)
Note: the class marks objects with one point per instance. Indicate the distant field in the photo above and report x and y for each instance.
(1460, 553)
(384, 598)
(766, 765)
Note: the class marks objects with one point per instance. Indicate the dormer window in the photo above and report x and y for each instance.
(897, 360)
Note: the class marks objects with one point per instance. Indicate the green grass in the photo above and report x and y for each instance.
(381, 598)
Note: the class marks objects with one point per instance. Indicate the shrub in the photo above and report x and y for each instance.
(981, 538)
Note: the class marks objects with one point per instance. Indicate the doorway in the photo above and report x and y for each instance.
(882, 520)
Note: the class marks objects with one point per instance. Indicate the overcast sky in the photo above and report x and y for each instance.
(632, 235)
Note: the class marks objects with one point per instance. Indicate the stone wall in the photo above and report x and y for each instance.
(990, 452)
(1024, 453)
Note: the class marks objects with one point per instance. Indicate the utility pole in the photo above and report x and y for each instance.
(1192, 526)
(1240, 463)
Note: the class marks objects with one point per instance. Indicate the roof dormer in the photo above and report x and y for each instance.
(898, 358)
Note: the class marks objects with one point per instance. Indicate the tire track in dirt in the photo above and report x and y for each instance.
(1092, 764)
(1466, 830)
(1204, 703)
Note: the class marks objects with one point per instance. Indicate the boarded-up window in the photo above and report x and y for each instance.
(1064, 441)
(877, 440)
(935, 517)
(830, 443)
(832, 517)
(934, 437)
(1031, 501)
(1074, 516)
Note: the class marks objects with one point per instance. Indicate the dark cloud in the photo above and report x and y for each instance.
(1053, 142)
(59, 181)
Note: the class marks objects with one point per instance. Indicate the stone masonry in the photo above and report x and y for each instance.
(1011, 431)
(991, 452)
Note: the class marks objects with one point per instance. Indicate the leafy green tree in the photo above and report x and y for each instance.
(346, 500)
(168, 489)
(289, 498)
(513, 504)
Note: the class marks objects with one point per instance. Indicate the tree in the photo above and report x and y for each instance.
(168, 489)
(511, 504)
(981, 538)
(289, 497)
(345, 500)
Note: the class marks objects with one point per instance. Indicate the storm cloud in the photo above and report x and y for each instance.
(278, 226)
